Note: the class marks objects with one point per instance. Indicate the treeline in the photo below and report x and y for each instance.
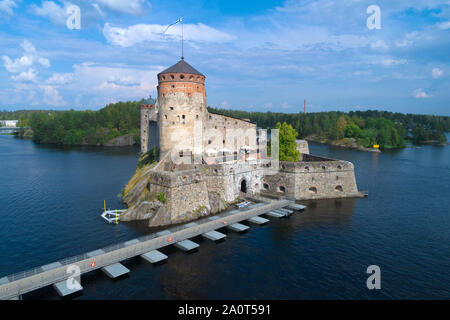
(387, 129)
(87, 127)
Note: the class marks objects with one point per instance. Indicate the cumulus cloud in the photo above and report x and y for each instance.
(420, 94)
(134, 7)
(7, 6)
(25, 67)
(49, 9)
(51, 96)
(59, 78)
(26, 76)
(126, 37)
(437, 73)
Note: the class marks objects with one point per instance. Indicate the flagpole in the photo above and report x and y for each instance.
(182, 40)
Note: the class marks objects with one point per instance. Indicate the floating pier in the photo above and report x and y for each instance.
(154, 256)
(108, 258)
(62, 289)
(274, 214)
(288, 211)
(296, 206)
(187, 245)
(258, 220)
(237, 227)
(213, 235)
(115, 270)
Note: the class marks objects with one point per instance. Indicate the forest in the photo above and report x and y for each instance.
(367, 128)
(82, 127)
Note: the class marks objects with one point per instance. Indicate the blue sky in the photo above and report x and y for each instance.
(257, 55)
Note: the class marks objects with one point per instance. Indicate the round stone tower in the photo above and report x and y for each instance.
(182, 109)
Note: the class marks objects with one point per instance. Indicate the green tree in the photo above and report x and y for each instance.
(288, 144)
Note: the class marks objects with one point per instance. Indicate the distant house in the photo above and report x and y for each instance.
(8, 123)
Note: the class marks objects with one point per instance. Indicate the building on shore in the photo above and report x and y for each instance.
(208, 161)
(9, 123)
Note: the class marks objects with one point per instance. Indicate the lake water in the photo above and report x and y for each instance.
(51, 200)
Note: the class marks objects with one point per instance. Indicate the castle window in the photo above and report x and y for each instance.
(196, 116)
(165, 116)
(223, 141)
(172, 76)
(339, 167)
(164, 77)
(210, 117)
(173, 86)
(324, 168)
(307, 168)
(209, 141)
(183, 117)
(182, 76)
(191, 77)
(337, 177)
(266, 186)
(339, 189)
(282, 189)
(313, 190)
(171, 108)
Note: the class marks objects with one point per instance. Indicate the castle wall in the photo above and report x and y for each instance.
(302, 146)
(227, 132)
(314, 180)
(144, 128)
(226, 179)
(186, 195)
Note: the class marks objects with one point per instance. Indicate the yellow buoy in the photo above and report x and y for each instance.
(376, 146)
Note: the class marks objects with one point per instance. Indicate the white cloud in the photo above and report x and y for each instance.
(125, 6)
(403, 43)
(26, 76)
(444, 25)
(268, 105)
(420, 94)
(98, 9)
(57, 14)
(60, 78)
(24, 67)
(392, 62)
(380, 44)
(51, 96)
(437, 73)
(126, 37)
(7, 6)
(285, 105)
(123, 81)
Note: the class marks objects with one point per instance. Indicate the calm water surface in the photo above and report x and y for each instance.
(51, 200)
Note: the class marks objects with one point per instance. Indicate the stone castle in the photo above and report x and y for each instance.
(209, 161)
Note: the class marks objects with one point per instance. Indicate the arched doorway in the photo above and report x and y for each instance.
(244, 186)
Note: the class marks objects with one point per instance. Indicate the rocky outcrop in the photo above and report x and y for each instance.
(121, 141)
(166, 197)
